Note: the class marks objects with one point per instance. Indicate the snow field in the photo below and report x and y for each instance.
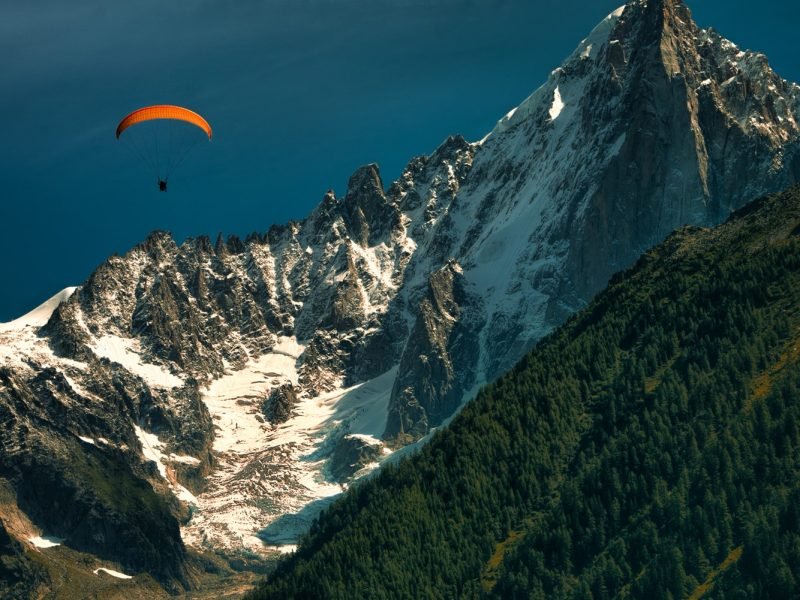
(267, 473)
(126, 352)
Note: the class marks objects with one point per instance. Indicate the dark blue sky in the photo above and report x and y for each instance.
(299, 92)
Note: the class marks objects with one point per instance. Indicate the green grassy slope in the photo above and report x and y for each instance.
(648, 448)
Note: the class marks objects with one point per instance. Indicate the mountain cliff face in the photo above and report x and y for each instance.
(386, 307)
(645, 449)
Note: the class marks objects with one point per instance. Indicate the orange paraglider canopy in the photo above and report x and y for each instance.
(164, 111)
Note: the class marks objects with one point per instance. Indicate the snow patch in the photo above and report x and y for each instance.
(45, 541)
(557, 106)
(112, 572)
(367, 439)
(151, 449)
(88, 440)
(187, 460)
(127, 352)
(617, 145)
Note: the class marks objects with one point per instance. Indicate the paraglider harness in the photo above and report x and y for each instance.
(162, 185)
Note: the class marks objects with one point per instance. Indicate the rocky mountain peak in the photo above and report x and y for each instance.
(667, 16)
(220, 247)
(202, 244)
(367, 211)
(157, 244)
(365, 182)
(668, 27)
(450, 149)
(328, 200)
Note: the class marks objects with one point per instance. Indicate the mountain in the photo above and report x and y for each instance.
(232, 389)
(646, 449)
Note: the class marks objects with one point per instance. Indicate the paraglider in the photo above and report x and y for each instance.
(162, 135)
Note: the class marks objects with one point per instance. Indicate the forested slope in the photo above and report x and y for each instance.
(648, 448)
